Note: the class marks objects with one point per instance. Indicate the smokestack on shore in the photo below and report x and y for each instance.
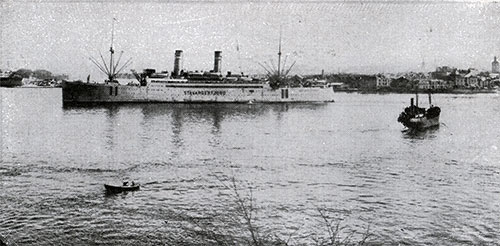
(217, 61)
(177, 62)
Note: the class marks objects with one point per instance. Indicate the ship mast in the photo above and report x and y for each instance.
(114, 67)
(279, 56)
(277, 77)
(111, 51)
(416, 94)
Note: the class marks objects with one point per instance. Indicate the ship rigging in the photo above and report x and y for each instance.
(278, 77)
(113, 69)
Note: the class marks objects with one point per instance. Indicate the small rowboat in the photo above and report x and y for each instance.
(121, 188)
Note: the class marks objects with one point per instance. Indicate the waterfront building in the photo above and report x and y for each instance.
(423, 84)
(30, 80)
(469, 80)
(438, 84)
(432, 84)
(460, 81)
(495, 66)
(382, 81)
(484, 82)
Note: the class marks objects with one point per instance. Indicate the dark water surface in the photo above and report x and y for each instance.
(441, 187)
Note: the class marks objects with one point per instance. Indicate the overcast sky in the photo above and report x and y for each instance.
(367, 37)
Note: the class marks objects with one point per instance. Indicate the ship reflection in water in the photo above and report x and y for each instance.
(429, 133)
(177, 115)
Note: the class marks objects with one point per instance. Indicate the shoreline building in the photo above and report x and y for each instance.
(382, 81)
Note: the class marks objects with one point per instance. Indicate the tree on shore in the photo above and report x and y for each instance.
(60, 77)
(25, 73)
(400, 83)
(42, 74)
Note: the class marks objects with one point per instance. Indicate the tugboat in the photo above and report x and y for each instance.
(416, 118)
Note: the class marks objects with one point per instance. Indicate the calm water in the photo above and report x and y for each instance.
(441, 187)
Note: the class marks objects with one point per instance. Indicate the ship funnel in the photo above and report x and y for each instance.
(217, 61)
(177, 62)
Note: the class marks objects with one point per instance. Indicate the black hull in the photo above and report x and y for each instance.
(415, 118)
(421, 123)
(118, 189)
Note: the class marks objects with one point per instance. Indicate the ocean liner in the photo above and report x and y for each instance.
(193, 87)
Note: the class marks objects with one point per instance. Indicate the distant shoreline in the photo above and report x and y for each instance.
(453, 91)
(35, 87)
(360, 91)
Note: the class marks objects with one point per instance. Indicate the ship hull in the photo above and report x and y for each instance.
(78, 92)
(11, 82)
(422, 123)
